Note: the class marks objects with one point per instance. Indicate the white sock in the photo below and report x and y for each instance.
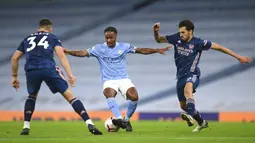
(26, 125)
(89, 121)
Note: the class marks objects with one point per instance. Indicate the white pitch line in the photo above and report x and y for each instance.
(141, 138)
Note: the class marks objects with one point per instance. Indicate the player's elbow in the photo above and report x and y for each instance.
(14, 59)
(158, 40)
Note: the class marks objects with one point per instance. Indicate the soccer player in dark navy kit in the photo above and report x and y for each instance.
(40, 66)
(187, 53)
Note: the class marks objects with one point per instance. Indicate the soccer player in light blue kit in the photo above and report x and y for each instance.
(111, 57)
(188, 50)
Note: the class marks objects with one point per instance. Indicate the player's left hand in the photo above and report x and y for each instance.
(163, 50)
(15, 83)
(72, 80)
(156, 27)
(244, 60)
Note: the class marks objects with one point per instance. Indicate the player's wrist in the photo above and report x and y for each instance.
(14, 75)
(70, 76)
(238, 57)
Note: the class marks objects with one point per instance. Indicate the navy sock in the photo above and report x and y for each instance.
(190, 104)
(29, 108)
(198, 118)
(191, 110)
(79, 109)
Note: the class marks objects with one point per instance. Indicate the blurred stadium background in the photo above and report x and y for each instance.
(226, 92)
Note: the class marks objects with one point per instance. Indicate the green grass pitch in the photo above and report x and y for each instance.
(144, 132)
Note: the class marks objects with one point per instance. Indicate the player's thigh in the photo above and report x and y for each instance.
(55, 81)
(34, 81)
(192, 83)
(110, 88)
(127, 89)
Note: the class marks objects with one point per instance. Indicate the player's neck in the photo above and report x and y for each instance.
(43, 30)
(113, 46)
(189, 39)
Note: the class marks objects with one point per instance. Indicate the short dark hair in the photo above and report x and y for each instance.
(110, 29)
(188, 24)
(45, 22)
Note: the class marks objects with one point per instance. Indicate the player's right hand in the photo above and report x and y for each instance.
(72, 80)
(244, 60)
(156, 27)
(15, 83)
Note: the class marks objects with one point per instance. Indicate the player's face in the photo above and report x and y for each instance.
(110, 38)
(50, 29)
(185, 34)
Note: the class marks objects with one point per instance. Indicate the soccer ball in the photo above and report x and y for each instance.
(109, 125)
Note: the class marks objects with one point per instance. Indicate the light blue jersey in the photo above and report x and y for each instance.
(112, 60)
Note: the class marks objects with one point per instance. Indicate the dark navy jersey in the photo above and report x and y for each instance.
(187, 54)
(39, 50)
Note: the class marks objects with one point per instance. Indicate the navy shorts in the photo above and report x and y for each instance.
(52, 77)
(181, 85)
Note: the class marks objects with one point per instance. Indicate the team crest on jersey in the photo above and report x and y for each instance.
(191, 46)
(120, 52)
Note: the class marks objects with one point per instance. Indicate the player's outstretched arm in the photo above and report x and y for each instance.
(77, 53)
(147, 51)
(241, 59)
(157, 36)
(15, 66)
(65, 63)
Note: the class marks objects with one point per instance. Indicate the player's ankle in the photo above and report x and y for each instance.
(89, 122)
(26, 125)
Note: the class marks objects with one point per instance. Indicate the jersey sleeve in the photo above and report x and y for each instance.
(130, 48)
(172, 39)
(204, 44)
(56, 42)
(93, 51)
(21, 47)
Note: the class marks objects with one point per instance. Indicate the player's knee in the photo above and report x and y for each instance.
(68, 95)
(133, 97)
(108, 92)
(33, 95)
(132, 94)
